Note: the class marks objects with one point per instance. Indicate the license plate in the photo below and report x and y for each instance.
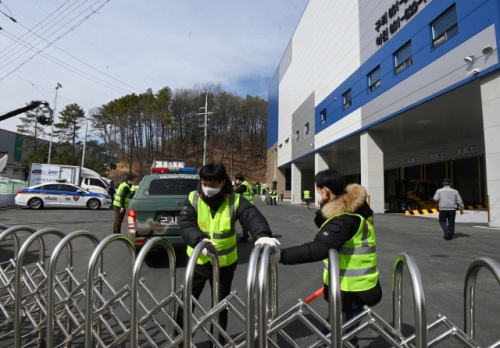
(169, 220)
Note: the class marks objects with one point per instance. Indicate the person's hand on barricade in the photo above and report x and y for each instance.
(122, 210)
(268, 241)
(206, 252)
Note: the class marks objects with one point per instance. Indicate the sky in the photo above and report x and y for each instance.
(122, 47)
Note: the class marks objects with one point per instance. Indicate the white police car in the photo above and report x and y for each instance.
(58, 195)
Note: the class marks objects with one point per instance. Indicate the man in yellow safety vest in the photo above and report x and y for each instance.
(307, 197)
(120, 203)
(244, 190)
(345, 223)
(210, 213)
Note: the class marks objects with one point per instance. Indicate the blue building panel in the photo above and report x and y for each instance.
(273, 110)
(473, 17)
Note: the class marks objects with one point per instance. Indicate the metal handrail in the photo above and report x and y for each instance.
(470, 290)
(51, 279)
(22, 228)
(134, 304)
(264, 269)
(188, 288)
(89, 286)
(19, 272)
(334, 300)
(421, 330)
(249, 296)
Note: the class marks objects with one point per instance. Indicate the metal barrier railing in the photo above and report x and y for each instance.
(44, 304)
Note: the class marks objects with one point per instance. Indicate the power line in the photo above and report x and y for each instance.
(106, 53)
(62, 64)
(29, 38)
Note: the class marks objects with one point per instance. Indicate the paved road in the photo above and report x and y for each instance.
(442, 264)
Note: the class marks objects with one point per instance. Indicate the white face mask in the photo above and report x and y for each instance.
(319, 196)
(209, 191)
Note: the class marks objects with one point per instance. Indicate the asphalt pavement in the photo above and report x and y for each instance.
(442, 264)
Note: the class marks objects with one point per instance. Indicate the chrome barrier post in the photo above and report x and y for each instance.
(250, 296)
(334, 300)
(263, 299)
(418, 298)
(89, 286)
(134, 304)
(188, 289)
(470, 290)
(52, 275)
(19, 272)
(13, 232)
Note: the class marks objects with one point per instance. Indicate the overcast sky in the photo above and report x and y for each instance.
(139, 45)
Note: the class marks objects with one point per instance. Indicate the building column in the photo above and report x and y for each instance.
(372, 170)
(490, 98)
(296, 183)
(320, 163)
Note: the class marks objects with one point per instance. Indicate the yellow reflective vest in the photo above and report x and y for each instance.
(357, 259)
(248, 193)
(221, 229)
(307, 194)
(118, 196)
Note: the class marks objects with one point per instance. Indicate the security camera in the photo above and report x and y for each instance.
(469, 59)
(474, 72)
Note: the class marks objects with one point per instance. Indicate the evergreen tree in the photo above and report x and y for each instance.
(31, 128)
(70, 122)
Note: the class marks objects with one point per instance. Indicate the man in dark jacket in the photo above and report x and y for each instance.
(345, 223)
(204, 217)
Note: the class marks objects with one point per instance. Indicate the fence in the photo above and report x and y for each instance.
(7, 186)
(43, 306)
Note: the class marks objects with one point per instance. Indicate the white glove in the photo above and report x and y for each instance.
(268, 241)
(122, 210)
(275, 256)
(206, 252)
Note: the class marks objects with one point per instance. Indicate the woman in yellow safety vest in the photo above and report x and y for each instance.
(211, 213)
(345, 223)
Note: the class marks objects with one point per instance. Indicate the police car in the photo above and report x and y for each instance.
(59, 195)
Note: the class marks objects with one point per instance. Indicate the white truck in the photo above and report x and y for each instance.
(83, 177)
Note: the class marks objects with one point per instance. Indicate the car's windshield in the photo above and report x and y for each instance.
(160, 187)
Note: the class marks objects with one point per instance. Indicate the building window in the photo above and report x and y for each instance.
(374, 81)
(297, 135)
(15, 172)
(286, 141)
(306, 128)
(323, 116)
(403, 58)
(347, 99)
(444, 27)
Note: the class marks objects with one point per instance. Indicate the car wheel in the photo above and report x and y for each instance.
(94, 204)
(35, 203)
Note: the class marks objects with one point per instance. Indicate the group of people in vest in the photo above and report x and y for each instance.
(273, 195)
(345, 223)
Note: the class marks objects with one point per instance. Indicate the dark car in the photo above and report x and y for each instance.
(155, 208)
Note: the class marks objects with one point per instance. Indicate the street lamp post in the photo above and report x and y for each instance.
(53, 121)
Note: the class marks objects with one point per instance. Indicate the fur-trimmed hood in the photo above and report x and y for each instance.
(350, 201)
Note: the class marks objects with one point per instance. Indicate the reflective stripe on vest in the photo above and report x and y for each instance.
(307, 194)
(357, 259)
(248, 193)
(221, 229)
(118, 196)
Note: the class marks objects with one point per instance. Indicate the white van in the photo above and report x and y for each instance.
(96, 185)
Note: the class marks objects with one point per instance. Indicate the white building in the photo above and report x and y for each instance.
(387, 90)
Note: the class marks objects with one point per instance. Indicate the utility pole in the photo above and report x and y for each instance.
(84, 143)
(206, 113)
(53, 121)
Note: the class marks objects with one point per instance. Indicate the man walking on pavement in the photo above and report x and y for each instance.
(345, 223)
(448, 199)
(210, 213)
(307, 197)
(244, 190)
(123, 195)
(274, 195)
